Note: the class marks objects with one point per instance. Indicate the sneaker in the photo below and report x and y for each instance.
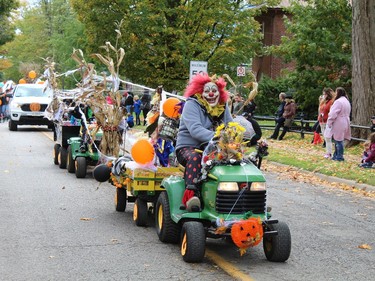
(193, 204)
(327, 155)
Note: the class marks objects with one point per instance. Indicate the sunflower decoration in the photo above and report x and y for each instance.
(230, 141)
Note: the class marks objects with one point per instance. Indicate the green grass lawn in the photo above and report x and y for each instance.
(300, 153)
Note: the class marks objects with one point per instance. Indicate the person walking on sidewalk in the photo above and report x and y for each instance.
(324, 108)
(338, 123)
(290, 109)
(279, 115)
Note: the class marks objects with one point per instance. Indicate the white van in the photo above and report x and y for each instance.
(27, 106)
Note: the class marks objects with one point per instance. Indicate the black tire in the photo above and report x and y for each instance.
(167, 230)
(277, 248)
(56, 150)
(63, 155)
(140, 212)
(12, 125)
(120, 199)
(193, 241)
(70, 165)
(81, 167)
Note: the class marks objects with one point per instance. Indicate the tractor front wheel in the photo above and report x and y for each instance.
(81, 167)
(193, 241)
(277, 248)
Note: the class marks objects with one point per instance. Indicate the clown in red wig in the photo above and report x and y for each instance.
(204, 109)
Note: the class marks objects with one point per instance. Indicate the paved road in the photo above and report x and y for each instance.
(56, 227)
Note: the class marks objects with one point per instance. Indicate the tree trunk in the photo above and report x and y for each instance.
(363, 63)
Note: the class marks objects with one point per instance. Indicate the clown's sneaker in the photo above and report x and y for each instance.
(193, 204)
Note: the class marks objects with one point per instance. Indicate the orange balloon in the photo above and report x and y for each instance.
(142, 152)
(22, 81)
(170, 107)
(32, 74)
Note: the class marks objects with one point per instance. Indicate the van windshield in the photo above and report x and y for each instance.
(32, 92)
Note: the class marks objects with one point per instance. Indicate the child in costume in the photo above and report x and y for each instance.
(205, 109)
(369, 159)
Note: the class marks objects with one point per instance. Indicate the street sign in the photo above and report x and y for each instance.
(197, 67)
(241, 71)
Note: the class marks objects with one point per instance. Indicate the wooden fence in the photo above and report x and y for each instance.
(301, 126)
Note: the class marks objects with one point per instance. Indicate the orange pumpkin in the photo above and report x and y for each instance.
(35, 106)
(247, 233)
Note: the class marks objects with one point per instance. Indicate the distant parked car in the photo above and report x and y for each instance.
(28, 104)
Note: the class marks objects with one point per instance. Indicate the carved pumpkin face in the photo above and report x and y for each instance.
(35, 106)
(247, 233)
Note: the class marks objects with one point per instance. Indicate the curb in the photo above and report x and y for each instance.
(357, 185)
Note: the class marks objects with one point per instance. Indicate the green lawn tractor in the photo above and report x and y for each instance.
(82, 152)
(233, 196)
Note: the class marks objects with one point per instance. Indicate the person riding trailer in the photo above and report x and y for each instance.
(204, 109)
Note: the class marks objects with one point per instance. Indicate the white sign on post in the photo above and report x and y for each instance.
(241, 71)
(197, 67)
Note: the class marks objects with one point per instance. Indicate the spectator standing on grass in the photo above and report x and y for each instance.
(5, 104)
(316, 127)
(145, 105)
(129, 103)
(324, 108)
(338, 123)
(369, 154)
(137, 110)
(372, 128)
(238, 105)
(279, 116)
(287, 118)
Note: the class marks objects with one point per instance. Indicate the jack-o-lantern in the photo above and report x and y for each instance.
(35, 106)
(247, 233)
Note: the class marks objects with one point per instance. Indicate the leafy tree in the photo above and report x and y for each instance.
(49, 29)
(162, 37)
(6, 6)
(319, 41)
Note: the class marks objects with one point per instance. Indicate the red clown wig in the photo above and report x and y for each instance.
(196, 86)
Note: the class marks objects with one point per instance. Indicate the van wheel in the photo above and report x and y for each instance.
(12, 125)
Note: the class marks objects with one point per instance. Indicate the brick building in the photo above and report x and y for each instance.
(273, 28)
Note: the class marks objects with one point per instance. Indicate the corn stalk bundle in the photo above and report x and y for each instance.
(95, 90)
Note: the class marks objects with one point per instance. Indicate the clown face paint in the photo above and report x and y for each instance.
(211, 93)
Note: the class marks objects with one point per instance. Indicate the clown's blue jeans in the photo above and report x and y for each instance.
(338, 155)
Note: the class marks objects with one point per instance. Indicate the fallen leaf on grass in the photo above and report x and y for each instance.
(85, 219)
(365, 246)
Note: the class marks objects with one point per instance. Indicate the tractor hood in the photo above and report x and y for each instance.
(237, 173)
